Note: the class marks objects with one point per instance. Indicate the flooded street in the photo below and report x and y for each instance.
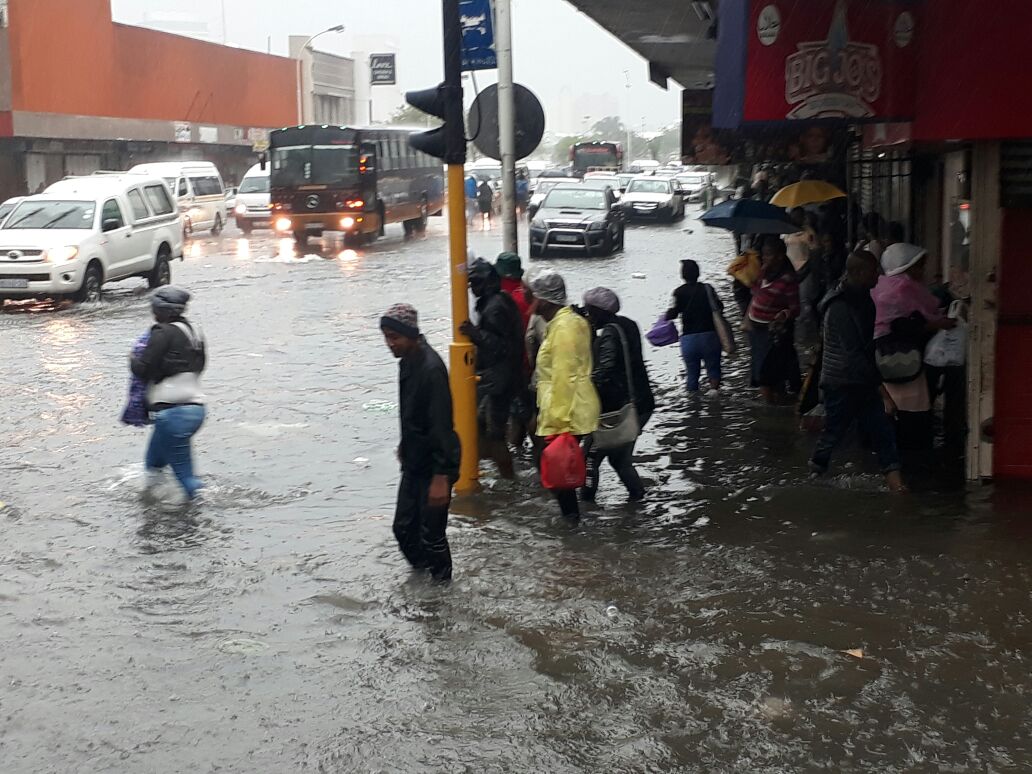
(741, 619)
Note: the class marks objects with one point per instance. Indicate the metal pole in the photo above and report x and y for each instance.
(461, 354)
(627, 151)
(300, 87)
(506, 122)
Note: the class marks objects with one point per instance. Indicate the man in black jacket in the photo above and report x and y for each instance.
(616, 352)
(498, 337)
(850, 381)
(429, 452)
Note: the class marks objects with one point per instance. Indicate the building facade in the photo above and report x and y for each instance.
(79, 92)
(327, 86)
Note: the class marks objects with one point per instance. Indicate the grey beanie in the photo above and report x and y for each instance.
(170, 299)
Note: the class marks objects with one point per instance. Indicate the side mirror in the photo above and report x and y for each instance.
(263, 161)
(111, 224)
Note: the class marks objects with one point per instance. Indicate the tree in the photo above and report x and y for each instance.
(609, 128)
(407, 115)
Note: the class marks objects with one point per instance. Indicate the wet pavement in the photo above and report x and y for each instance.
(742, 619)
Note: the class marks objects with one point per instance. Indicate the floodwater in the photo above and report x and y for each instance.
(742, 619)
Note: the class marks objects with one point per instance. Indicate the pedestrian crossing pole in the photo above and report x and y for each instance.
(448, 142)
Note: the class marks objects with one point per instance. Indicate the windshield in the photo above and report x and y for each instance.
(649, 186)
(52, 214)
(295, 165)
(595, 156)
(488, 174)
(691, 180)
(6, 208)
(575, 198)
(547, 185)
(254, 185)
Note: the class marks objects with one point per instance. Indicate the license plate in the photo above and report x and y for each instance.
(567, 238)
(14, 284)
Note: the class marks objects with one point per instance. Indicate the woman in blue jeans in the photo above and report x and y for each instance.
(694, 302)
(171, 364)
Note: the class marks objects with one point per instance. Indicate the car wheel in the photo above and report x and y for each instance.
(301, 239)
(607, 244)
(90, 291)
(620, 236)
(161, 274)
(216, 229)
(535, 251)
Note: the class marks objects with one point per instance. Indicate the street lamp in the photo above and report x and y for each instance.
(300, 71)
(628, 157)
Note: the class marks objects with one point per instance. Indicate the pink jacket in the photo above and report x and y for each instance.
(901, 296)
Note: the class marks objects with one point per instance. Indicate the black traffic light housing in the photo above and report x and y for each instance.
(448, 141)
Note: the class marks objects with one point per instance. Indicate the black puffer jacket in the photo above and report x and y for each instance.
(609, 374)
(848, 314)
(168, 352)
(498, 337)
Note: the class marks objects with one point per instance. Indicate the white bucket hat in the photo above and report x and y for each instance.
(900, 257)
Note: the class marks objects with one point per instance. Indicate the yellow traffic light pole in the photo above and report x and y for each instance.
(461, 353)
(448, 142)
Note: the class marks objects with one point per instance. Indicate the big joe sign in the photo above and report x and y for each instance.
(784, 60)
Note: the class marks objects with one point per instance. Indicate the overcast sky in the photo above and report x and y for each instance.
(573, 51)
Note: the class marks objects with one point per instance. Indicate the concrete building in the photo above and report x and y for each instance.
(79, 92)
(328, 86)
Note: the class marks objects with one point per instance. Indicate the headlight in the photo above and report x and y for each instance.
(241, 209)
(347, 222)
(283, 224)
(597, 225)
(537, 225)
(61, 254)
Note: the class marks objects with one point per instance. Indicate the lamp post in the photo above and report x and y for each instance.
(627, 151)
(300, 72)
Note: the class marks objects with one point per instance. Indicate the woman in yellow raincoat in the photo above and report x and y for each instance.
(566, 397)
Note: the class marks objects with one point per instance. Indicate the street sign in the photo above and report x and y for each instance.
(477, 35)
(530, 122)
(383, 70)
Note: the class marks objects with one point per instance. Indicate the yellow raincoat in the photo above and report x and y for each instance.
(567, 401)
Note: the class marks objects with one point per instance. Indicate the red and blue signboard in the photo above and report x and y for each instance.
(846, 61)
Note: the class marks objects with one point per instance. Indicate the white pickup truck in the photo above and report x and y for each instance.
(83, 232)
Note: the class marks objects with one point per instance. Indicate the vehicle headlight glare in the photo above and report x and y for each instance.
(240, 209)
(283, 224)
(61, 254)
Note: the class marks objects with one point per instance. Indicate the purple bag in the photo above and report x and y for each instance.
(663, 333)
(135, 413)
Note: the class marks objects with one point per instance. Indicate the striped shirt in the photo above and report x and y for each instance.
(771, 297)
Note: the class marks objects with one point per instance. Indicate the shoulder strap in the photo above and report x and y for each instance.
(626, 358)
(193, 334)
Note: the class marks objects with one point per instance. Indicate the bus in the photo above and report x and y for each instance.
(351, 180)
(596, 156)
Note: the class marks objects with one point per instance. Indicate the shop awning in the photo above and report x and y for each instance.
(675, 36)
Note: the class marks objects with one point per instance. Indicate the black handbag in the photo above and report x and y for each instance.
(623, 426)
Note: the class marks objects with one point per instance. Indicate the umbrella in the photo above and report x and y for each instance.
(806, 192)
(748, 216)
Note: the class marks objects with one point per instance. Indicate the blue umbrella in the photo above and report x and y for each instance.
(748, 216)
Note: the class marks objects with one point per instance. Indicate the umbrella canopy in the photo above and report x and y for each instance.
(748, 216)
(806, 192)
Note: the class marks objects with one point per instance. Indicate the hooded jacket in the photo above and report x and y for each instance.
(848, 338)
(567, 401)
(498, 337)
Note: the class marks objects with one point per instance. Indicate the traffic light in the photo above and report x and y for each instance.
(448, 141)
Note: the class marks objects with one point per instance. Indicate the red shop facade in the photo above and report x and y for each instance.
(934, 98)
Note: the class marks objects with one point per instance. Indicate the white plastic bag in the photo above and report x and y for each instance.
(949, 348)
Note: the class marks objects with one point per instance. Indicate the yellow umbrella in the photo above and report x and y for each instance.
(806, 192)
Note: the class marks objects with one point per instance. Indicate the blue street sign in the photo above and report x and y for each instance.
(477, 35)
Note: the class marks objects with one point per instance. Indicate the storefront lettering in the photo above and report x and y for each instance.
(833, 77)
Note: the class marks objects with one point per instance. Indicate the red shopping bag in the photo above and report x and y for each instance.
(562, 464)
